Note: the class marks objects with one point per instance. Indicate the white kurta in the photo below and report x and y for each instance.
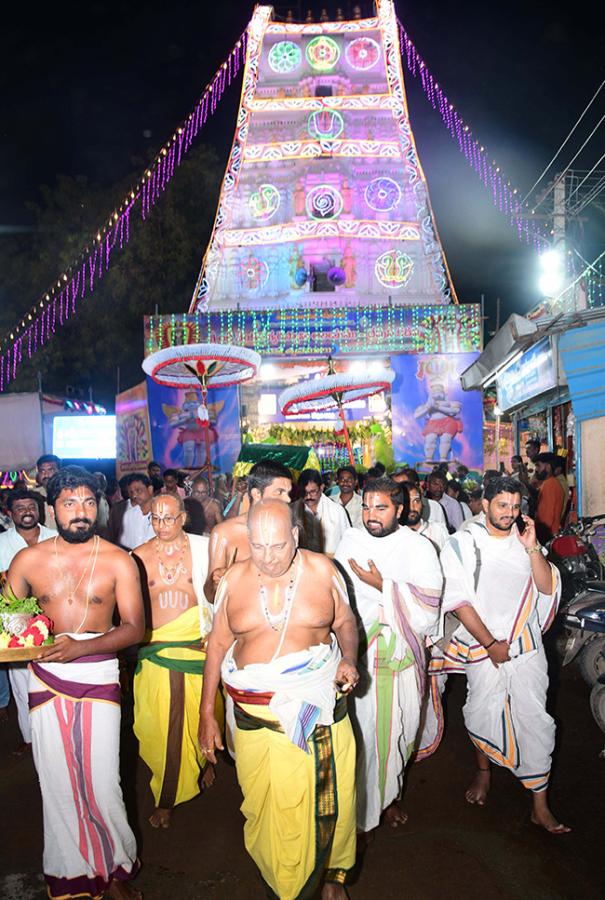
(479, 519)
(11, 543)
(136, 528)
(436, 513)
(385, 709)
(325, 528)
(453, 511)
(505, 712)
(437, 534)
(352, 509)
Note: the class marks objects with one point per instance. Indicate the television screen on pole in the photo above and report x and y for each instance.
(84, 437)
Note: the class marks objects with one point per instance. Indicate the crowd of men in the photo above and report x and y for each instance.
(305, 626)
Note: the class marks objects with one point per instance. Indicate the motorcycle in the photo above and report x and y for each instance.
(582, 584)
(576, 557)
(584, 621)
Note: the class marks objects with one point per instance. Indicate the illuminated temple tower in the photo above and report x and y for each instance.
(324, 201)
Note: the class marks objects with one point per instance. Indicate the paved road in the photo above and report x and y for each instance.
(447, 850)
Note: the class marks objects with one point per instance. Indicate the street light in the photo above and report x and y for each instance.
(552, 277)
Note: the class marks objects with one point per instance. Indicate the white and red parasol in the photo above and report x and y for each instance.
(334, 391)
(204, 366)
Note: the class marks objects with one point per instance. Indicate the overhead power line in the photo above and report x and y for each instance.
(587, 176)
(594, 97)
(571, 162)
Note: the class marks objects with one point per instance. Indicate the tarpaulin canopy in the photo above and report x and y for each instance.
(294, 457)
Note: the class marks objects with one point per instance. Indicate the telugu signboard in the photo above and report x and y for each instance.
(532, 374)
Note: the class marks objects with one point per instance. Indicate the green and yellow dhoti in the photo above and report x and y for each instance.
(299, 804)
(167, 691)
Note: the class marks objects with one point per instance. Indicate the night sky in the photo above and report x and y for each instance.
(89, 88)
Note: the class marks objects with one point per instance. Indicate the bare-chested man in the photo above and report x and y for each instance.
(284, 639)
(267, 480)
(74, 693)
(168, 683)
(200, 491)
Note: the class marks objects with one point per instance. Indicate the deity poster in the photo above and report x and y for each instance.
(133, 439)
(178, 433)
(433, 419)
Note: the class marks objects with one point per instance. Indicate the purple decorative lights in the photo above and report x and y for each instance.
(503, 195)
(38, 326)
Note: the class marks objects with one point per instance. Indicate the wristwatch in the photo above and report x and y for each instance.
(536, 549)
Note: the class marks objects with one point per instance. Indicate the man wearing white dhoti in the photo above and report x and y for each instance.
(505, 594)
(397, 582)
(74, 693)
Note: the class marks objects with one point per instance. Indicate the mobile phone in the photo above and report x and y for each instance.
(521, 524)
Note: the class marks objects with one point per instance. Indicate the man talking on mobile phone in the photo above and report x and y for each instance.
(505, 595)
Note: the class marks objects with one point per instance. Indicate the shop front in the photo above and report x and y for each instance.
(550, 380)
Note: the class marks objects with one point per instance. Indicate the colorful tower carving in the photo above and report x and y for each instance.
(324, 201)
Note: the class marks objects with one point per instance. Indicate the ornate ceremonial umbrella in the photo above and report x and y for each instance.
(334, 391)
(204, 366)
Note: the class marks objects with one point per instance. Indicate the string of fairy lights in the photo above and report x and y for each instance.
(302, 331)
(505, 197)
(59, 303)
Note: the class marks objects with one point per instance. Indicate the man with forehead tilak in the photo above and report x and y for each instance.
(74, 693)
(397, 581)
(267, 480)
(285, 641)
(505, 595)
(200, 491)
(168, 681)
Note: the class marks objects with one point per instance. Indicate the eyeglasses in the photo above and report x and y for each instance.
(166, 520)
(312, 495)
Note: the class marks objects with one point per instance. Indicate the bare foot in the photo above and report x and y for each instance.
(22, 750)
(542, 816)
(209, 776)
(479, 787)
(394, 816)
(549, 822)
(332, 891)
(160, 818)
(123, 890)
(3, 715)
